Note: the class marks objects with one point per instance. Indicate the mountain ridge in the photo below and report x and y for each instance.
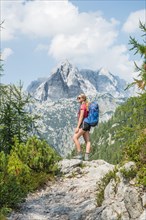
(55, 101)
(66, 81)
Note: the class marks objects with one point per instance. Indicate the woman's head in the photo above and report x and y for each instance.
(82, 98)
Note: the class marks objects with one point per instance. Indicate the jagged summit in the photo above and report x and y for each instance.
(105, 72)
(66, 81)
(65, 67)
(65, 63)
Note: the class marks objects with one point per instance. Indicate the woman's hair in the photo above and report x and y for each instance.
(83, 96)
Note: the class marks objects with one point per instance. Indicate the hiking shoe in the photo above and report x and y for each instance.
(79, 156)
(86, 158)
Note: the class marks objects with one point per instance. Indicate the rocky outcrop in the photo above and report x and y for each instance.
(122, 199)
(73, 196)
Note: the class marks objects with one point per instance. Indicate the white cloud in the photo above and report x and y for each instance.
(12, 14)
(86, 39)
(39, 18)
(6, 53)
(47, 19)
(132, 23)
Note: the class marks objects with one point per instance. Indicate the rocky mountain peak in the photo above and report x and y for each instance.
(65, 64)
(66, 81)
(68, 72)
(105, 72)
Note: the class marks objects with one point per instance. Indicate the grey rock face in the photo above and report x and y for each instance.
(143, 215)
(122, 200)
(66, 81)
(73, 197)
(35, 84)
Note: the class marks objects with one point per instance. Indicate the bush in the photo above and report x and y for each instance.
(137, 152)
(27, 167)
(37, 155)
(11, 191)
(101, 185)
(128, 174)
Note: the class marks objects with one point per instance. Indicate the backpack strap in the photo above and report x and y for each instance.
(87, 106)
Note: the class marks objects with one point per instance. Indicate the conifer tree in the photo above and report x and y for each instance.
(15, 119)
(140, 48)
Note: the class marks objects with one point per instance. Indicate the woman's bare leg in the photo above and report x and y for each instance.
(76, 139)
(86, 137)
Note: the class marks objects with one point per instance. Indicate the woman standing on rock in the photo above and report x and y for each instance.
(82, 128)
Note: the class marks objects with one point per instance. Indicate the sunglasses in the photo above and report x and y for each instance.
(78, 97)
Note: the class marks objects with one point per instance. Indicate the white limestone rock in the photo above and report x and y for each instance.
(121, 199)
(143, 215)
(74, 197)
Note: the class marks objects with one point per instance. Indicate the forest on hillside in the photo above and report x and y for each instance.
(123, 137)
(125, 126)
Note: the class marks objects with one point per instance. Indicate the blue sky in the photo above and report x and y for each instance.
(39, 34)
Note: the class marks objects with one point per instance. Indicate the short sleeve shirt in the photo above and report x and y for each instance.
(83, 107)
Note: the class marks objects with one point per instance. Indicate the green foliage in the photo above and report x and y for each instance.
(28, 166)
(10, 191)
(102, 185)
(25, 163)
(36, 154)
(128, 174)
(136, 151)
(140, 48)
(3, 213)
(15, 120)
(110, 138)
(123, 138)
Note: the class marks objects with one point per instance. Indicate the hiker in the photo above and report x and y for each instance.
(82, 128)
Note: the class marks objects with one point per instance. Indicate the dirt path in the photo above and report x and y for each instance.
(72, 197)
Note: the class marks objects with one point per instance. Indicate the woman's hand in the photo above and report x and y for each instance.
(76, 130)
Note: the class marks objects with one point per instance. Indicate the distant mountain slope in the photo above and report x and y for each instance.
(55, 100)
(109, 138)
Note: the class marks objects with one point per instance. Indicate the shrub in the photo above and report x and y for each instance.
(137, 152)
(128, 174)
(27, 167)
(37, 155)
(11, 191)
(101, 185)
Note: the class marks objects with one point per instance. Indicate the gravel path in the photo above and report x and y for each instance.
(71, 197)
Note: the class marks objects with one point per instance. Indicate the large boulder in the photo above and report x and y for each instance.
(122, 199)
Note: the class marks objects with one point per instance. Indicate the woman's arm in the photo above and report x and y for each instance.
(80, 120)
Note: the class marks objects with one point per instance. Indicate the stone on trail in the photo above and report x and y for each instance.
(73, 196)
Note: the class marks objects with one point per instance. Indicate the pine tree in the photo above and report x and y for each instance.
(15, 119)
(141, 50)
